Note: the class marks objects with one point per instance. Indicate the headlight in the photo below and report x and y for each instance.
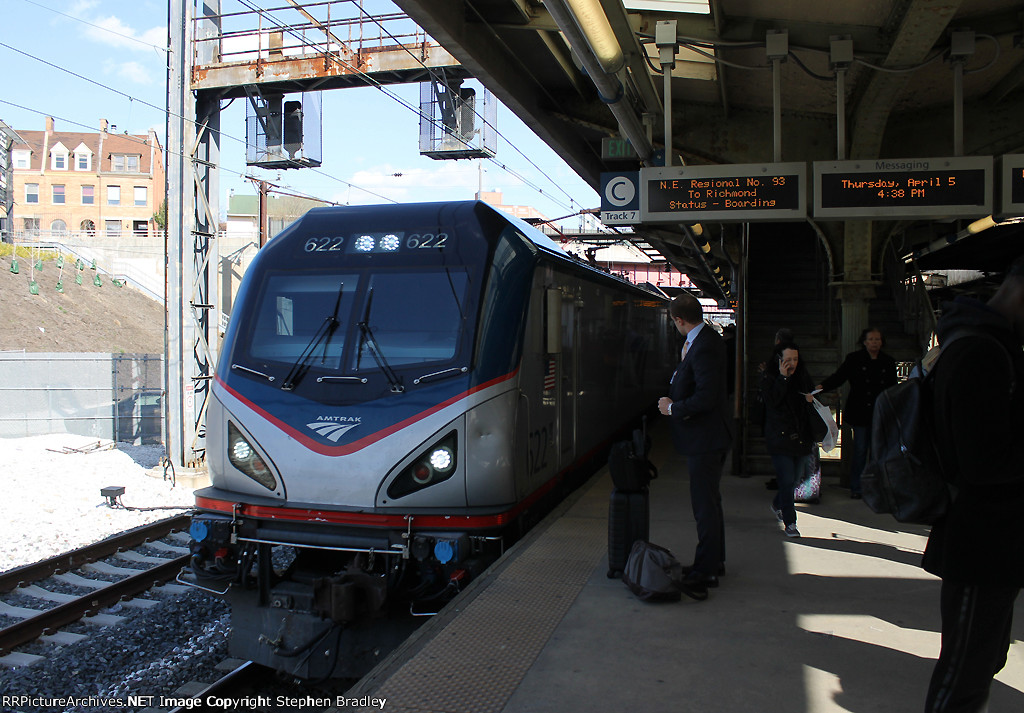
(435, 465)
(244, 457)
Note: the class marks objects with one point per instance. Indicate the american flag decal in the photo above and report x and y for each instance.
(549, 377)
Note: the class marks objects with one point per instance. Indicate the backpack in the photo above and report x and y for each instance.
(904, 474)
(630, 469)
(652, 573)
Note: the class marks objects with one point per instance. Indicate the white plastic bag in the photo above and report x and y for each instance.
(832, 437)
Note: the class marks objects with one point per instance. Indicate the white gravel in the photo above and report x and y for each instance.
(51, 498)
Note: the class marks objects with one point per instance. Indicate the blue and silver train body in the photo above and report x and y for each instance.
(401, 391)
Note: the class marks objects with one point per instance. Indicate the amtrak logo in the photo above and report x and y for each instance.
(334, 427)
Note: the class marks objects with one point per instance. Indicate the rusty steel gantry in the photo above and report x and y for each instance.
(294, 47)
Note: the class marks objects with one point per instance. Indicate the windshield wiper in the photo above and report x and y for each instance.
(323, 334)
(445, 372)
(367, 335)
(268, 377)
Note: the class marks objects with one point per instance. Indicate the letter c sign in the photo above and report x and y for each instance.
(619, 191)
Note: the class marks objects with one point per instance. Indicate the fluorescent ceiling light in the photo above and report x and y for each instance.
(698, 7)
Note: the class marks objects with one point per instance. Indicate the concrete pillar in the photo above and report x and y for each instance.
(857, 288)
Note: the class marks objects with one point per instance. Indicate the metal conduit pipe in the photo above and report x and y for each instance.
(608, 85)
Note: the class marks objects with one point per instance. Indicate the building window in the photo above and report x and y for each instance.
(113, 228)
(83, 161)
(31, 193)
(58, 195)
(140, 227)
(21, 159)
(60, 161)
(124, 163)
(88, 227)
(113, 195)
(140, 195)
(88, 195)
(58, 228)
(32, 226)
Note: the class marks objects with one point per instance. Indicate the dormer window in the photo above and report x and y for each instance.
(83, 158)
(59, 158)
(21, 158)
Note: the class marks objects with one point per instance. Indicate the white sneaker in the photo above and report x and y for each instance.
(791, 531)
(778, 513)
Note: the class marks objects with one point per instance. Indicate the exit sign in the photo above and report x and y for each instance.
(615, 148)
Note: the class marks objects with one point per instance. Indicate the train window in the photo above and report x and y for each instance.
(414, 317)
(293, 308)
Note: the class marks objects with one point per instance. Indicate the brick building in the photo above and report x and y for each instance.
(86, 184)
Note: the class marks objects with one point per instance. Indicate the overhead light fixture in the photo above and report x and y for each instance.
(599, 34)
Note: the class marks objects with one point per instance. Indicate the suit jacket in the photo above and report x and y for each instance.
(699, 419)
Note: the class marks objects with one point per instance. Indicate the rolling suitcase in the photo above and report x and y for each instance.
(808, 487)
(629, 518)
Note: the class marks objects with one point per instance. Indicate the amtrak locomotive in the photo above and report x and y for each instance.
(403, 390)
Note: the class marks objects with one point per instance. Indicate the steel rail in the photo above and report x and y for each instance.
(67, 561)
(226, 685)
(50, 620)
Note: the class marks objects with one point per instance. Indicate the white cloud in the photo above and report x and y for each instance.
(113, 32)
(81, 7)
(134, 72)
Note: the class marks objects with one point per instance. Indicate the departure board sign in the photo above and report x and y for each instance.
(903, 188)
(1012, 172)
(736, 192)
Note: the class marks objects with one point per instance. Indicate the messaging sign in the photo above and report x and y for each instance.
(738, 193)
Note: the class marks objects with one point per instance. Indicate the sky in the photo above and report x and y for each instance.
(87, 60)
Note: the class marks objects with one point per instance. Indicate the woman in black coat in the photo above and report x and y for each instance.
(870, 371)
(786, 387)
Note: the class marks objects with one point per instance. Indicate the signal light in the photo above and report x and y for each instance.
(434, 465)
(244, 457)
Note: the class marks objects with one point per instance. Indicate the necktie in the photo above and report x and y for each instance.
(686, 345)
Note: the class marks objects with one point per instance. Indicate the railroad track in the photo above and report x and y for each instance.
(31, 624)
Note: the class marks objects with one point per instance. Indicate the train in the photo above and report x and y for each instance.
(402, 391)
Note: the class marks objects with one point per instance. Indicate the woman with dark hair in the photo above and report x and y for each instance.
(870, 371)
(786, 386)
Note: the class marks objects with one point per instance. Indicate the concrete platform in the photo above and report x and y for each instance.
(841, 619)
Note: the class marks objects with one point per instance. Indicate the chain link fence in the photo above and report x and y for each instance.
(107, 396)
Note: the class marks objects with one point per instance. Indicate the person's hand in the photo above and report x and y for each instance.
(787, 369)
(663, 403)
(809, 397)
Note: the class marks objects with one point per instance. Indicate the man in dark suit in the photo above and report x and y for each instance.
(697, 407)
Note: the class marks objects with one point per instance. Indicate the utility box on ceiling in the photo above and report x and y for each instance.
(457, 121)
(284, 130)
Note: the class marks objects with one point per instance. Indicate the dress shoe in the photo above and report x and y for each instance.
(687, 568)
(693, 588)
(693, 577)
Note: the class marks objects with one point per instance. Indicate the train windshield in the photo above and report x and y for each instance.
(355, 321)
(295, 309)
(413, 317)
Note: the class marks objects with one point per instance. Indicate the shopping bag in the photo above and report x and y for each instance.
(832, 434)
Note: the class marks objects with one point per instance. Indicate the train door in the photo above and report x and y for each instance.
(568, 417)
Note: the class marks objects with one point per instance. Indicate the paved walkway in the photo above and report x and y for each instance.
(842, 619)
